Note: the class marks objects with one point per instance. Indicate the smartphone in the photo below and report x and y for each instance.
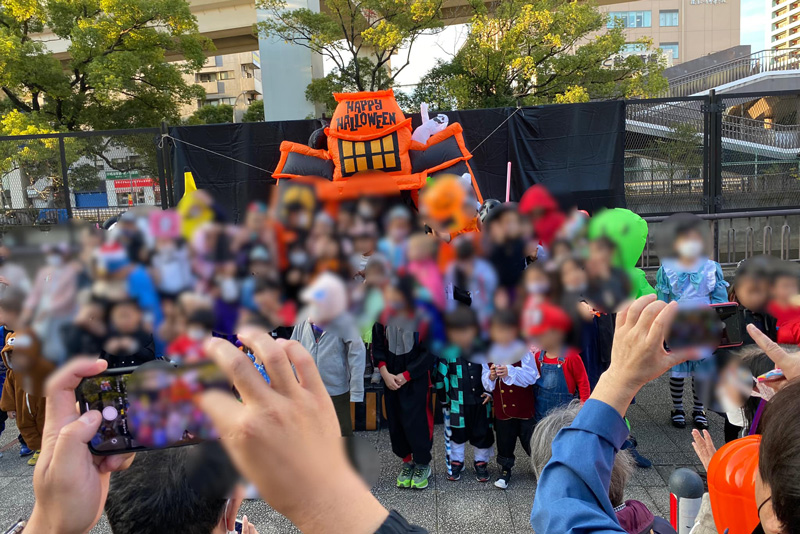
(238, 526)
(733, 327)
(150, 407)
(706, 326)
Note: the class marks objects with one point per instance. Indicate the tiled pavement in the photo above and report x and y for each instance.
(466, 506)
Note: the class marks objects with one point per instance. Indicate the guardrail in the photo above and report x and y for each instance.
(730, 249)
(733, 70)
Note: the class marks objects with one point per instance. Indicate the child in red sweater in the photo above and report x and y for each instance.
(784, 305)
(563, 375)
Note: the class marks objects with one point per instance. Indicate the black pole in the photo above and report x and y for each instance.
(162, 175)
(713, 183)
(64, 179)
(169, 177)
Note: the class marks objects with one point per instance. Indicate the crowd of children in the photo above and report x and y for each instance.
(500, 325)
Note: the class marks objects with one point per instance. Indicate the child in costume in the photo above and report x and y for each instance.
(561, 370)
(509, 377)
(690, 278)
(784, 303)
(23, 392)
(459, 387)
(330, 334)
(400, 349)
(628, 231)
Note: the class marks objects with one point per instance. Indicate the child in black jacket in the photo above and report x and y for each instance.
(405, 366)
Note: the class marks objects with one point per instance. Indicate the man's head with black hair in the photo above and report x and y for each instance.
(184, 490)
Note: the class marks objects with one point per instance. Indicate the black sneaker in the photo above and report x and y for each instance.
(482, 471)
(700, 420)
(503, 480)
(678, 418)
(455, 471)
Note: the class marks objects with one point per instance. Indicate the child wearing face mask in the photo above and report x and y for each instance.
(400, 348)
(689, 277)
(394, 246)
(188, 347)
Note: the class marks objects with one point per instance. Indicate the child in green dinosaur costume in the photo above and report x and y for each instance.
(628, 232)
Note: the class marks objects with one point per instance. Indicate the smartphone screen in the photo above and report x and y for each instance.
(151, 408)
(732, 331)
(695, 327)
(238, 526)
(709, 327)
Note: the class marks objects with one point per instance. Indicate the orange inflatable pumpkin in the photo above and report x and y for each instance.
(731, 485)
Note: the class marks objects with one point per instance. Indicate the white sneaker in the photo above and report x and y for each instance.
(503, 480)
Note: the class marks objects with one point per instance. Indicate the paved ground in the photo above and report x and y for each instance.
(445, 507)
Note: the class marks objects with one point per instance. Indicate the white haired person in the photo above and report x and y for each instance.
(633, 516)
(332, 337)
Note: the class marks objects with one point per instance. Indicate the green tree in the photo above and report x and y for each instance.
(255, 112)
(117, 74)
(681, 154)
(360, 38)
(537, 52)
(210, 114)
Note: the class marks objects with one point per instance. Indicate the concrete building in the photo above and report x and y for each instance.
(784, 24)
(226, 79)
(688, 29)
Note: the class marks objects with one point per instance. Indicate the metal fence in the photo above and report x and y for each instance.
(49, 179)
(708, 154)
(740, 235)
(713, 153)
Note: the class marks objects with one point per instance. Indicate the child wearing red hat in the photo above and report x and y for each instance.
(563, 375)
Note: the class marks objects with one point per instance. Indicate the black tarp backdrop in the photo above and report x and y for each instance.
(576, 150)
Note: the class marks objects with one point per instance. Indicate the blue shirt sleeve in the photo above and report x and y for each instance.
(663, 288)
(720, 292)
(572, 494)
(142, 289)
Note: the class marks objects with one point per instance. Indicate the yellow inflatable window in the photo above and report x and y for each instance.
(380, 154)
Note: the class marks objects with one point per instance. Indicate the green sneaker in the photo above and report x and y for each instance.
(421, 475)
(404, 478)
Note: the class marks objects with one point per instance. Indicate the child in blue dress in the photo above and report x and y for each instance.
(691, 278)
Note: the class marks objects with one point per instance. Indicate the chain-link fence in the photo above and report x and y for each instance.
(713, 153)
(92, 176)
(759, 157)
(664, 155)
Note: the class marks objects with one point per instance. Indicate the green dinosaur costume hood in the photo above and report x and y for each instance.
(628, 232)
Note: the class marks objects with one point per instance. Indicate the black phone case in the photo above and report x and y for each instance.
(81, 402)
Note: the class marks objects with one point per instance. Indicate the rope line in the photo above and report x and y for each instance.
(175, 139)
(495, 130)
(215, 153)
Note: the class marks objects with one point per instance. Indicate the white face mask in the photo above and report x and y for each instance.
(229, 290)
(734, 412)
(196, 334)
(690, 248)
(54, 260)
(537, 288)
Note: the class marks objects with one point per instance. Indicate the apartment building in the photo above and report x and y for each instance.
(686, 29)
(784, 20)
(226, 79)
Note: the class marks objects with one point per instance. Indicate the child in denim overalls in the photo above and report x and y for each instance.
(563, 375)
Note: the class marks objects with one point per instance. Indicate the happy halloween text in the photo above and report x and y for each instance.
(361, 113)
